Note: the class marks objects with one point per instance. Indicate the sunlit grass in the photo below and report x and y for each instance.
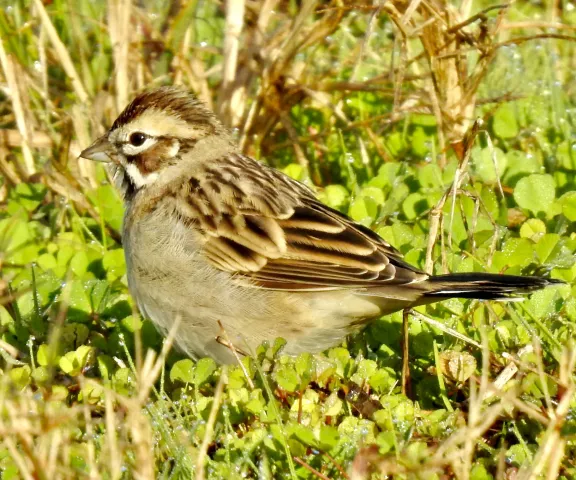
(380, 108)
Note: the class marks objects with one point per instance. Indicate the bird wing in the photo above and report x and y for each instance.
(261, 225)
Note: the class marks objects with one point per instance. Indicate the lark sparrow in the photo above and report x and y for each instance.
(211, 235)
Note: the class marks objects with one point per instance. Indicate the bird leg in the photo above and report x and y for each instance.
(406, 383)
(224, 340)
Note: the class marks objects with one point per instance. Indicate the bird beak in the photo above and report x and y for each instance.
(99, 151)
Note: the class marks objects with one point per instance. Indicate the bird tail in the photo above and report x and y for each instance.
(483, 286)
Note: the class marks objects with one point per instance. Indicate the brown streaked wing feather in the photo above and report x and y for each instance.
(261, 225)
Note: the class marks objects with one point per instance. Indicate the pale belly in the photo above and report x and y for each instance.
(169, 280)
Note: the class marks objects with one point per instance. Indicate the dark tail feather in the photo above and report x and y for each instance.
(484, 286)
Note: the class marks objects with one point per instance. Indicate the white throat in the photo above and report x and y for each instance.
(138, 179)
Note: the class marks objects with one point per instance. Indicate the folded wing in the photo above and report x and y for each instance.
(264, 227)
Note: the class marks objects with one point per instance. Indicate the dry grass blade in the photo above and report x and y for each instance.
(281, 75)
(9, 66)
(451, 89)
(551, 451)
(232, 101)
(293, 41)
(119, 28)
(7, 169)
(14, 138)
(506, 374)
(150, 369)
(62, 52)
(449, 331)
(216, 403)
(113, 450)
(436, 212)
(142, 436)
(18, 458)
(9, 353)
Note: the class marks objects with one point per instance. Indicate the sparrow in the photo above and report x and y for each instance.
(223, 242)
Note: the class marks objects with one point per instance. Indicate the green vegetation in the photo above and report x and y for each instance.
(453, 139)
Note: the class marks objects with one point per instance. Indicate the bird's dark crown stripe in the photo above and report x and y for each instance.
(172, 100)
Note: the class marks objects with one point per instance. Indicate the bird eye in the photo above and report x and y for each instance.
(137, 139)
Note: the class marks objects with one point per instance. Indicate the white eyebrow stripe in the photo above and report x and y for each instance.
(159, 123)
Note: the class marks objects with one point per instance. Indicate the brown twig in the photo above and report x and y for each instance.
(301, 462)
